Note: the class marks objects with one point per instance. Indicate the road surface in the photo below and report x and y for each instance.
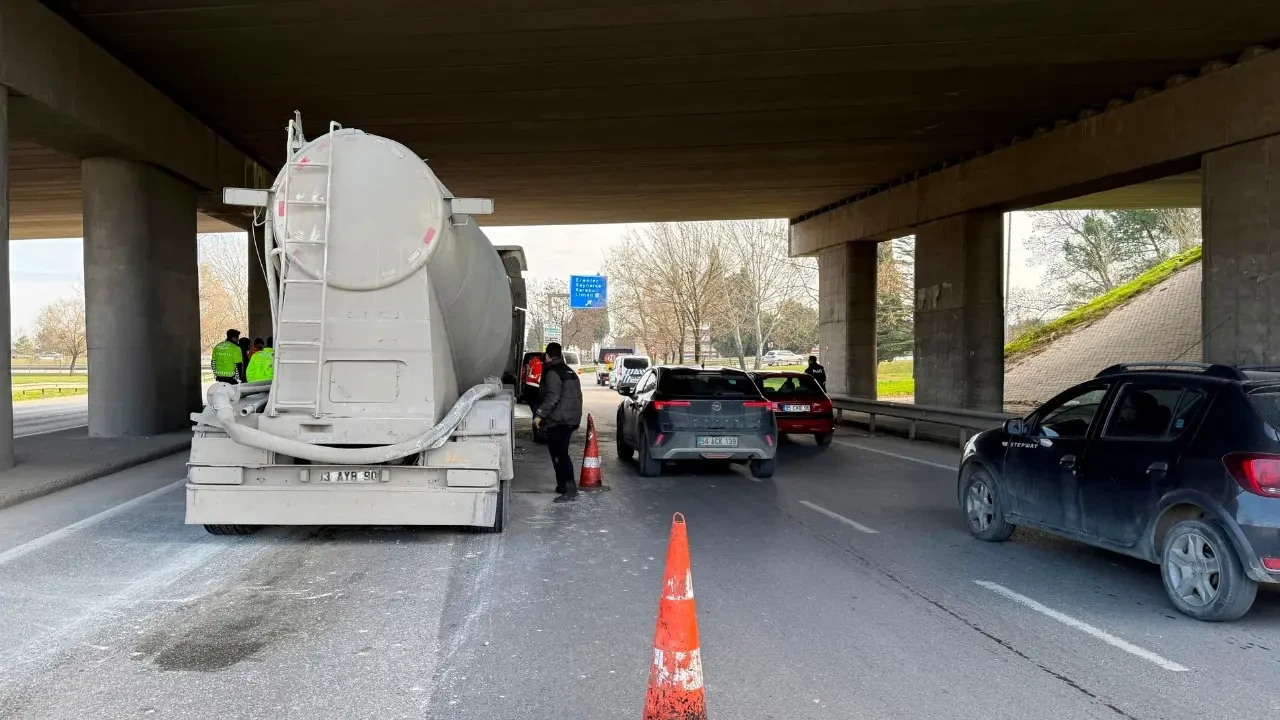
(845, 587)
(35, 417)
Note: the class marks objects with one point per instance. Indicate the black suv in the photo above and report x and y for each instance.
(1175, 463)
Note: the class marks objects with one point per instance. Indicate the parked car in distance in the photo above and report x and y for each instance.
(682, 413)
(781, 357)
(799, 404)
(571, 359)
(1175, 463)
(627, 370)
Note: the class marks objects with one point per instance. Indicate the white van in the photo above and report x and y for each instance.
(627, 368)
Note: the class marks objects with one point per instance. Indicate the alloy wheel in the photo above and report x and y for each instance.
(980, 506)
(1194, 571)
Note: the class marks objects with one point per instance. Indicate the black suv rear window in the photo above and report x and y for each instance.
(706, 384)
(1267, 402)
(790, 385)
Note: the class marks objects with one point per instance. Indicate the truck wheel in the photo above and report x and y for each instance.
(649, 465)
(500, 517)
(625, 451)
(1202, 574)
(763, 467)
(231, 529)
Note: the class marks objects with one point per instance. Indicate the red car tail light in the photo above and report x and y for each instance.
(1255, 472)
(1270, 563)
(664, 404)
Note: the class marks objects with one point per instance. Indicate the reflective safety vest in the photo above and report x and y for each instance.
(226, 355)
(261, 366)
(534, 374)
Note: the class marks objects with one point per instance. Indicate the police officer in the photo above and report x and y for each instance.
(262, 363)
(817, 372)
(228, 360)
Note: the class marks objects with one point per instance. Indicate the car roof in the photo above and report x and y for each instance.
(1183, 370)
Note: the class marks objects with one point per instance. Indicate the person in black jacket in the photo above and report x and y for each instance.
(559, 415)
(817, 372)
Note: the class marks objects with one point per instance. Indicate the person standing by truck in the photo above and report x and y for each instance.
(227, 359)
(559, 415)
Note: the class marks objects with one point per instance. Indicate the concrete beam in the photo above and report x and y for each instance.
(1159, 135)
(80, 101)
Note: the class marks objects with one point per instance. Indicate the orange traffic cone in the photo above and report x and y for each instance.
(590, 477)
(675, 679)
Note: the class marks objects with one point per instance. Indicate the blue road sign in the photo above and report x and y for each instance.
(588, 292)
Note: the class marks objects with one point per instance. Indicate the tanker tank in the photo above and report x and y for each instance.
(393, 322)
(417, 306)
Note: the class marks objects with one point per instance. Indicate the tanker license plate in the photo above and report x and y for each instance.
(349, 476)
(717, 441)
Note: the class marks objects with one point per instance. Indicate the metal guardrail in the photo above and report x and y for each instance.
(967, 421)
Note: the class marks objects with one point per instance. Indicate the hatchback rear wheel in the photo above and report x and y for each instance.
(1202, 573)
(984, 507)
(762, 467)
(823, 439)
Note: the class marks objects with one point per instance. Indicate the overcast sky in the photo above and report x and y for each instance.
(41, 271)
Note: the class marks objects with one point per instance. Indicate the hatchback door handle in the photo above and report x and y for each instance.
(1068, 462)
(1157, 467)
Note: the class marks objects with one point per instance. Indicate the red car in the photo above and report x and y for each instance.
(799, 404)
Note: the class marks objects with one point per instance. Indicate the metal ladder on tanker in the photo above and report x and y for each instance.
(321, 240)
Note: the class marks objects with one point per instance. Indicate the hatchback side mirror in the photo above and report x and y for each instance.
(1015, 427)
(626, 390)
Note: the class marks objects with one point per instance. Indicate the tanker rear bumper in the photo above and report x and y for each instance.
(276, 496)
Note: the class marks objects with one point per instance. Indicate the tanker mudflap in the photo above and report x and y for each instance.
(477, 455)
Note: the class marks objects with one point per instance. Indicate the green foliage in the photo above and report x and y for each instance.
(1037, 337)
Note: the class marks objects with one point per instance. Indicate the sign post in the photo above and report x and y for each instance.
(588, 292)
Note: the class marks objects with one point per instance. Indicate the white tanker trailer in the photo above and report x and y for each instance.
(393, 322)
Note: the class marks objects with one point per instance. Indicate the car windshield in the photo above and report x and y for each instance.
(789, 385)
(635, 363)
(695, 384)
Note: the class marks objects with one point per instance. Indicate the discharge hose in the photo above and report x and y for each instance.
(223, 397)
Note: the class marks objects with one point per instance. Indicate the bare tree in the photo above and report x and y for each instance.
(224, 286)
(768, 276)
(1184, 224)
(60, 328)
(687, 263)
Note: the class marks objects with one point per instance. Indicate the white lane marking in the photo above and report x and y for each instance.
(1082, 626)
(837, 516)
(18, 551)
(952, 468)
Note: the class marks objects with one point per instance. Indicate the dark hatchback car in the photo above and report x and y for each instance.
(1178, 464)
(799, 404)
(681, 413)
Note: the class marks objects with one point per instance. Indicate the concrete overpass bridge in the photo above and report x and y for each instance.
(861, 121)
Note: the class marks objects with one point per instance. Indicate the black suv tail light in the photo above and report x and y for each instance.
(1258, 473)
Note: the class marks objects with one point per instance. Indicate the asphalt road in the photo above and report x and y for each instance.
(845, 587)
(35, 417)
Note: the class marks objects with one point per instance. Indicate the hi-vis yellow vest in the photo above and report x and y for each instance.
(261, 366)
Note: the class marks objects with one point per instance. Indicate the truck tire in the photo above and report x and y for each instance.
(500, 517)
(231, 529)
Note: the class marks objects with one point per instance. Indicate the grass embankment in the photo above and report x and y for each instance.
(37, 386)
(1036, 339)
(894, 378)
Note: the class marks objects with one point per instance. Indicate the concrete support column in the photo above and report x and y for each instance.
(142, 298)
(1240, 294)
(959, 315)
(6, 379)
(259, 300)
(847, 317)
